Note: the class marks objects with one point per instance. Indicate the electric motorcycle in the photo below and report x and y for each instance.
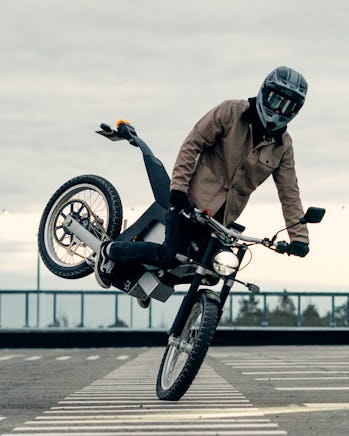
(87, 210)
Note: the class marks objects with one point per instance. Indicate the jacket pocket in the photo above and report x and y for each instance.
(268, 159)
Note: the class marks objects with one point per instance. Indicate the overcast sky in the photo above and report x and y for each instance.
(66, 66)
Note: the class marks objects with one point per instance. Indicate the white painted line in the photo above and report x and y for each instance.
(243, 402)
(286, 362)
(286, 366)
(172, 421)
(156, 417)
(31, 358)
(63, 358)
(130, 395)
(171, 426)
(250, 362)
(313, 407)
(161, 433)
(155, 401)
(328, 405)
(155, 408)
(93, 357)
(122, 384)
(2, 418)
(294, 372)
(123, 357)
(10, 356)
(299, 378)
(318, 388)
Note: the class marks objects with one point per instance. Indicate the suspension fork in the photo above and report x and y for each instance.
(229, 282)
(189, 299)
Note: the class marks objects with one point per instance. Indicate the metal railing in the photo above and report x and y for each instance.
(33, 309)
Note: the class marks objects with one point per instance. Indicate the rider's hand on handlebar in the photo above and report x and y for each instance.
(298, 248)
(179, 201)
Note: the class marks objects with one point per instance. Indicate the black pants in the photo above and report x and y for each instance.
(177, 237)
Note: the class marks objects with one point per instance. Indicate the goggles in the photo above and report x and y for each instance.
(281, 104)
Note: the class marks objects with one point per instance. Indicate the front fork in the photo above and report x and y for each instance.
(229, 281)
(189, 299)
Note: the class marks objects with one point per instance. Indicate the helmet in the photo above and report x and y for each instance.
(281, 96)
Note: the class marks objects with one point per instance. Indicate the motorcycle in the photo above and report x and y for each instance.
(87, 210)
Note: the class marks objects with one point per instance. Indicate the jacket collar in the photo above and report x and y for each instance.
(258, 130)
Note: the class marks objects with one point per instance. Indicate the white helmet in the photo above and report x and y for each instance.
(281, 96)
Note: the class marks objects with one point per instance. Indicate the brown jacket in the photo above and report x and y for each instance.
(218, 164)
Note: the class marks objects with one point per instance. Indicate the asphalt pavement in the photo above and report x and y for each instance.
(266, 390)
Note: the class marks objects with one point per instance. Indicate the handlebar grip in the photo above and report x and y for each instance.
(106, 128)
(282, 247)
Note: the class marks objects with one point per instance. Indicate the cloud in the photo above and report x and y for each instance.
(67, 66)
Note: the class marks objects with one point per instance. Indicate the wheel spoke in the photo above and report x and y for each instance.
(67, 249)
(185, 354)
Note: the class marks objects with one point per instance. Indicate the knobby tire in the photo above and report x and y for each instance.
(113, 226)
(206, 331)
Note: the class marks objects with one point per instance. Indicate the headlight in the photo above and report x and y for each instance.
(225, 263)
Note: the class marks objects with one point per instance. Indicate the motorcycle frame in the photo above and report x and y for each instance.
(160, 185)
(158, 178)
(220, 297)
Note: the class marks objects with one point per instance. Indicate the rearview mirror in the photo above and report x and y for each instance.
(313, 215)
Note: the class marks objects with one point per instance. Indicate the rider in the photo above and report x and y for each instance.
(228, 154)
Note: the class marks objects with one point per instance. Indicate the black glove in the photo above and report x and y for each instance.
(298, 248)
(179, 201)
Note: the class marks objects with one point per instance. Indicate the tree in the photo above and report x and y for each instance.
(249, 312)
(340, 316)
(311, 317)
(284, 313)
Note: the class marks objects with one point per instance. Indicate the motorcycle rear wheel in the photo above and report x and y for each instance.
(92, 201)
(184, 355)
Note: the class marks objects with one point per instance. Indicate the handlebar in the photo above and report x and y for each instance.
(229, 236)
(124, 131)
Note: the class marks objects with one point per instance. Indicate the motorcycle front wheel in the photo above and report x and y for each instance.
(94, 203)
(184, 355)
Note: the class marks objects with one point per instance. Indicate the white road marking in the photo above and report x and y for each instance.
(2, 418)
(317, 388)
(145, 395)
(328, 405)
(285, 362)
(200, 411)
(300, 378)
(291, 365)
(93, 357)
(11, 356)
(306, 408)
(125, 424)
(294, 372)
(123, 357)
(168, 433)
(31, 358)
(141, 417)
(63, 358)
(123, 403)
(145, 402)
(171, 426)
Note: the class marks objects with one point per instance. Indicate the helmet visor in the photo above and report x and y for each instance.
(281, 104)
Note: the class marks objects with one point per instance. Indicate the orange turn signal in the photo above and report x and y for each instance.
(119, 122)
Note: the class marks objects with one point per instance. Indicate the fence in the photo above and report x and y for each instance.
(32, 312)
